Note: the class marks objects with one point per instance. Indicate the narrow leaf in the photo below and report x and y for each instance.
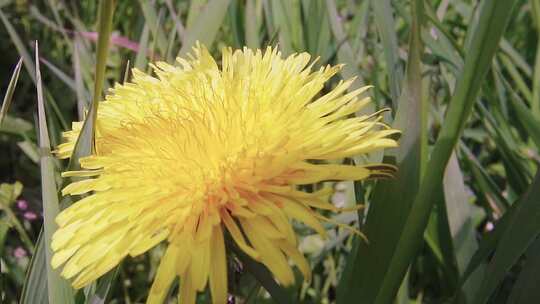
(521, 231)
(58, 288)
(493, 17)
(386, 218)
(10, 90)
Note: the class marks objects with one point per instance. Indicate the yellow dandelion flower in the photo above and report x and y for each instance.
(200, 152)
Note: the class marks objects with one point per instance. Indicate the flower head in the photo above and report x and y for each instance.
(200, 154)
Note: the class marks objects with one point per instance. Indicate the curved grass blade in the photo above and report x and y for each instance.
(264, 277)
(85, 142)
(385, 218)
(59, 290)
(385, 25)
(527, 119)
(29, 65)
(35, 287)
(461, 223)
(493, 17)
(10, 90)
(526, 290)
(523, 228)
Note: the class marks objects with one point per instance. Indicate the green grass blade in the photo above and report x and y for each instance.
(19, 45)
(487, 245)
(59, 290)
(384, 20)
(461, 222)
(152, 19)
(83, 96)
(287, 20)
(493, 17)
(35, 284)
(516, 57)
(29, 65)
(195, 9)
(85, 142)
(522, 230)
(536, 74)
(385, 218)
(317, 31)
(236, 24)
(527, 119)
(180, 30)
(206, 26)
(525, 290)
(517, 78)
(10, 90)
(103, 287)
(345, 52)
(265, 278)
(251, 28)
(141, 60)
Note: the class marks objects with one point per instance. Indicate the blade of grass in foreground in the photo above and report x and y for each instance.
(58, 288)
(522, 230)
(265, 278)
(493, 17)
(525, 290)
(85, 142)
(9, 92)
(385, 217)
(35, 287)
(461, 226)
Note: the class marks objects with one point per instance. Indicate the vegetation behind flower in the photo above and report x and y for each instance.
(456, 223)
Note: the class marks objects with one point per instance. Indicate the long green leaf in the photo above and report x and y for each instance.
(59, 290)
(525, 290)
(493, 17)
(85, 143)
(153, 21)
(264, 277)
(461, 222)
(35, 284)
(251, 25)
(385, 218)
(345, 52)
(384, 20)
(30, 65)
(10, 90)
(522, 230)
(536, 75)
(527, 119)
(487, 245)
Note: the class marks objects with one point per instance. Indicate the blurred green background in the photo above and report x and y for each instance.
(458, 224)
